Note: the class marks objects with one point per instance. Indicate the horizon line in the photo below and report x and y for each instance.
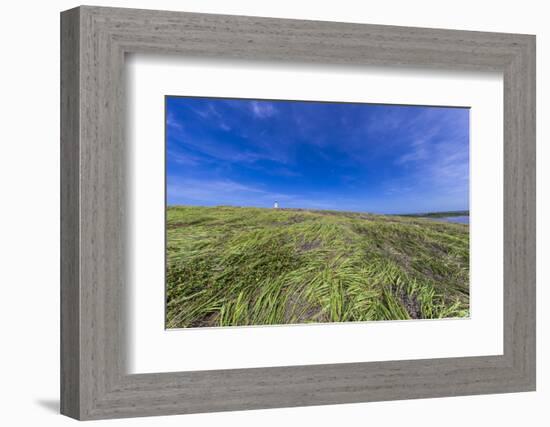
(321, 209)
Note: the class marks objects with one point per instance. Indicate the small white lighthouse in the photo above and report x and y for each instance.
(276, 205)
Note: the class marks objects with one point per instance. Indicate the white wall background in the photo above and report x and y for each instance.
(29, 224)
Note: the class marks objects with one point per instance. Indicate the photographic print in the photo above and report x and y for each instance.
(291, 212)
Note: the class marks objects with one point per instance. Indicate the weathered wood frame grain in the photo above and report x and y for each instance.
(94, 381)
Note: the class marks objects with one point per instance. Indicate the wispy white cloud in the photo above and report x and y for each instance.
(262, 109)
(417, 153)
(437, 157)
(183, 158)
(210, 147)
(211, 113)
(173, 123)
(220, 191)
(212, 192)
(434, 168)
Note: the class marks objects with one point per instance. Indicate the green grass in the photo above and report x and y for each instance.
(229, 266)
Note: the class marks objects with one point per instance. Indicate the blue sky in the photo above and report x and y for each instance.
(313, 155)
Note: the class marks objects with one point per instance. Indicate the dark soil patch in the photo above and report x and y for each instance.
(411, 304)
(209, 320)
(309, 246)
(292, 220)
(176, 225)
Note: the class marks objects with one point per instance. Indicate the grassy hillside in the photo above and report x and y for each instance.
(250, 266)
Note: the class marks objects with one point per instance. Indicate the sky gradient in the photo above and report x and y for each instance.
(314, 155)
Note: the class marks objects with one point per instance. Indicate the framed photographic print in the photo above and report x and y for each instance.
(262, 213)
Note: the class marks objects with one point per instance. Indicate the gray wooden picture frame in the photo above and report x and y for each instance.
(94, 381)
